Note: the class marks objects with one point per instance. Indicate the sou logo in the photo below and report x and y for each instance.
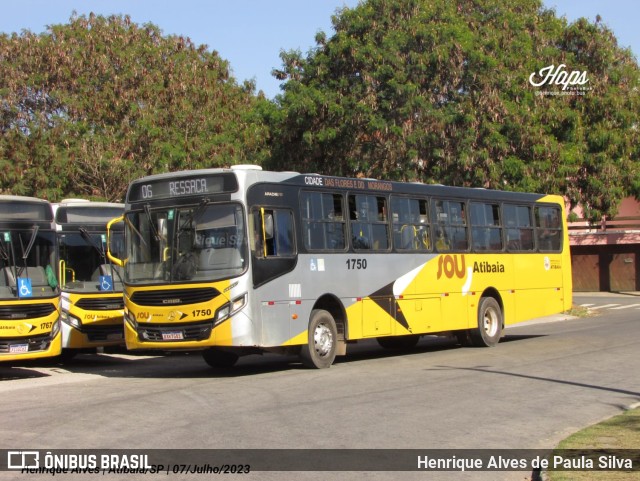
(450, 266)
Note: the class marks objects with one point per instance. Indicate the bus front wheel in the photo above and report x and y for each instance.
(489, 329)
(320, 350)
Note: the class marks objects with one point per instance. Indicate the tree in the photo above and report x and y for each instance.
(440, 91)
(89, 106)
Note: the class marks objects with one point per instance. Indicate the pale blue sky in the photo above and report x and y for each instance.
(251, 33)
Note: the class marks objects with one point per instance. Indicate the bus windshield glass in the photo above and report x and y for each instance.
(27, 263)
(177, 244)
(84, 261)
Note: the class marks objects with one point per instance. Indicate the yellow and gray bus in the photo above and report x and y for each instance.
(91, 286)
(29, 293)
(239, 261)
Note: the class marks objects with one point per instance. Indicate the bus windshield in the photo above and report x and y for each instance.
(27, 263)
(199, 243)
(84, 261)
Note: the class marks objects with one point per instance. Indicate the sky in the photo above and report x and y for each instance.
(250, 34)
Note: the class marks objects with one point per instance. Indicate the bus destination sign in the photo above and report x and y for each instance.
(346, 183)
(183, 187)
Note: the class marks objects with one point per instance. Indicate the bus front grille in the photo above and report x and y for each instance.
(174, 297)
(175, 332)
(101, 304)
(104, 333)
(28, 311)
(36, 343)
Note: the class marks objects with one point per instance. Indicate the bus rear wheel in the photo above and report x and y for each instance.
(219, 359)
(489, 330)
(320, 350)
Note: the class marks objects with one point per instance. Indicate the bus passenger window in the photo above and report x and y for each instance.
(451, 225)
(442, 244)
(486, 231)
(410, 224)
(273, 233)
(548, 229)
(283, 236)
(518, 227)
(323, 221)
(369, 227)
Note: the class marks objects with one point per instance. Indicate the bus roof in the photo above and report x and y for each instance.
(87, 212)
(18, 208)
(172, 180)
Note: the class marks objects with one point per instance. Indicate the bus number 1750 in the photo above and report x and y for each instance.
(356, 264)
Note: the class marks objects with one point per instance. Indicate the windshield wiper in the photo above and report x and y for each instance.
(4, 252)
(156, 234)
(27, 251)
(91, 241)
(194, 215)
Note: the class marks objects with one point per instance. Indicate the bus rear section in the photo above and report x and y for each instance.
(29, 293)
(91, 285)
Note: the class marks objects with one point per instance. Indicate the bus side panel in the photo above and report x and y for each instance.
(539, 286)
(278, 323)
(567, 278)
(368, 294)
(491, 275)
(418, 307)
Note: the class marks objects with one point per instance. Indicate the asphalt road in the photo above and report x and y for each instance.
(545, 380)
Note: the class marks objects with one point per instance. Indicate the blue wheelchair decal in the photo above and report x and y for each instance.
(24, 287)
(106, 283)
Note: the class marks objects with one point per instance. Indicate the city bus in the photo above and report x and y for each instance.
(91, 306)
(29, 293)
(240, 261)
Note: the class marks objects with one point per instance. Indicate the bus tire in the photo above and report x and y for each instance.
(489, 329)
(217, 358)
(399, 342)
(320, 350)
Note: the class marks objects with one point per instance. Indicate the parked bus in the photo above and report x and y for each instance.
(29, 294)
(239, 261)
(91, 297)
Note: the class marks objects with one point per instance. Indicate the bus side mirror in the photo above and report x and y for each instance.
(112, 258)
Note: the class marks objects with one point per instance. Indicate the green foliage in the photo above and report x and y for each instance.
(89, 106)
(439, 91)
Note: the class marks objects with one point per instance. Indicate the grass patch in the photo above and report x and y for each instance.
(618, 432)
(578, 311)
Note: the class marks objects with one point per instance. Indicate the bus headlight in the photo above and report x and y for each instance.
(71, 320)
(230, 308)
(55, 329)
(129, 317)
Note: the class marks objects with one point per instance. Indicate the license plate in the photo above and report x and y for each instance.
(172, 336)
(17, 348)
(114, 337)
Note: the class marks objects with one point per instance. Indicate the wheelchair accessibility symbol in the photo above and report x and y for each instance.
(106, 283)
(24, 287)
